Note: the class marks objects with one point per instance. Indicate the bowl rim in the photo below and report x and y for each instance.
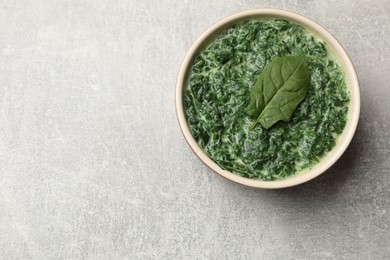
(338, 51)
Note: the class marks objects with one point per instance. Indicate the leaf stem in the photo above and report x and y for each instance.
(253, 125)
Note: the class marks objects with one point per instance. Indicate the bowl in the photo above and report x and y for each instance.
(334, 46)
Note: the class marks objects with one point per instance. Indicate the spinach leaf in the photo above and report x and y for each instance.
(281, 86)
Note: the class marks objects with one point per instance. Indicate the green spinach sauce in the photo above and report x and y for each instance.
(218, 91)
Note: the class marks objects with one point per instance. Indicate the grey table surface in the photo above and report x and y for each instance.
(93, 164)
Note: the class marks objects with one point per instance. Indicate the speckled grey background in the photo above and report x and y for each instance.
(93, 164)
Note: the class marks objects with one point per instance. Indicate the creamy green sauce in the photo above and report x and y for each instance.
(218, 92)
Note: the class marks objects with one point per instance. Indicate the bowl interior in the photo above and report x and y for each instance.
(333, 45)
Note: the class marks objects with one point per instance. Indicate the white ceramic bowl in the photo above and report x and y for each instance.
(335, 47)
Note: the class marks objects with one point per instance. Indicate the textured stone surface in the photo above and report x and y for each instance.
(93, 164)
